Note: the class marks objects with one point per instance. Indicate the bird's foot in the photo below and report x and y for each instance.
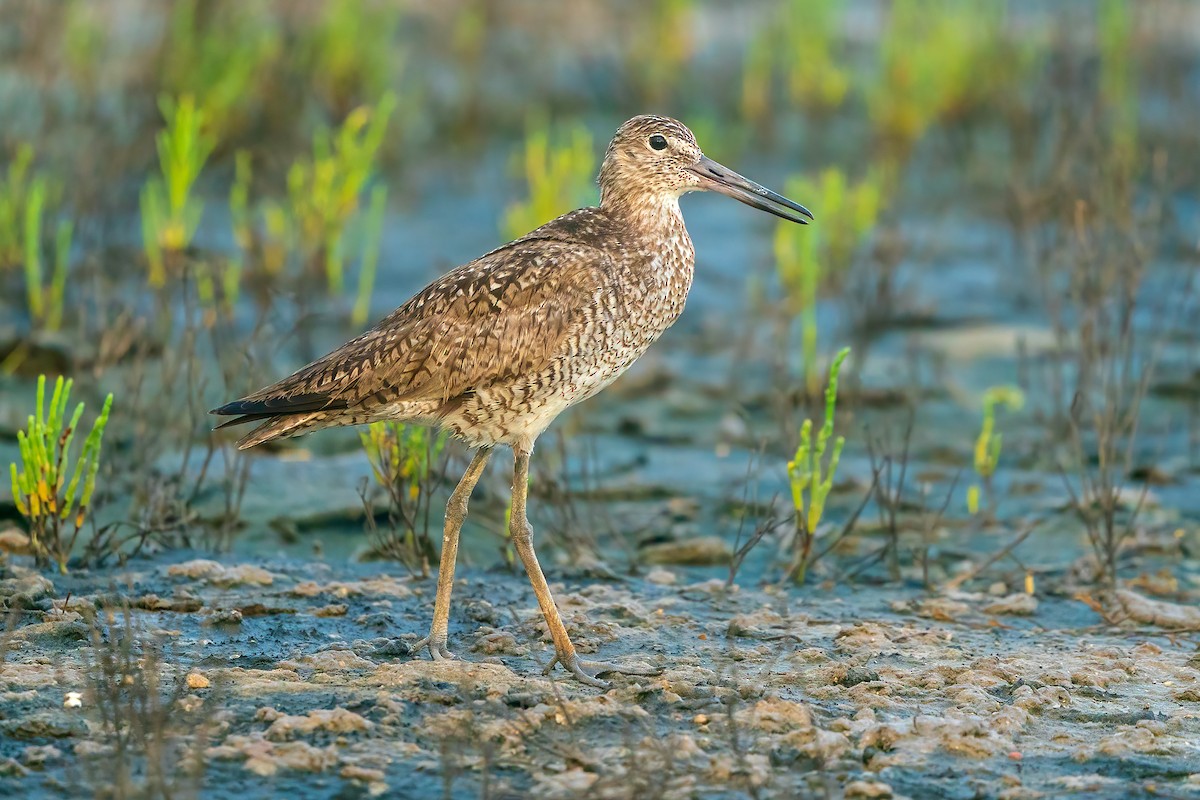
(437, 648)
(588, 672)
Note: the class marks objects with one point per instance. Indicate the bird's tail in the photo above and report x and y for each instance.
(282, 427)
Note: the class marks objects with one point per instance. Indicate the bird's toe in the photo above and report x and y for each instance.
(588, 672)
(436, 646)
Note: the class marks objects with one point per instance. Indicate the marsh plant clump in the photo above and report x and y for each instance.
(30, 200)
(558, 169)
(52, 487)
(408, 462)
(811, 473)
(809, 263)
(325, 191)
(171, 210)
(988, 445)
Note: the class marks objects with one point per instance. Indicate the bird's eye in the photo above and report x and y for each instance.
(658, 141)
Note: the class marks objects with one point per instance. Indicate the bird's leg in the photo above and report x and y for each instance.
(522, 536)
(456, 512)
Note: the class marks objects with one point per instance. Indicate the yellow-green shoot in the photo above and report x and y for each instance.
(404, 460)
(170, 211)
(932, 58)
(221, 55)
(989, 441)
(372, 240)
(799, 41)
(658, 47)
(807, 258)
(27, 202)
(558, 175)
(1118, 78)
(243, 231)
(325, 192)
(227, 272)
(14, 191)
(812, 470)
(52, 489)
(351, 53)
(45, 301)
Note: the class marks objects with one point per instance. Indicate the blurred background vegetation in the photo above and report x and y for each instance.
(198, 196)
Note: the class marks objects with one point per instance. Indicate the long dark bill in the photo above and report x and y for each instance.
(726, 181)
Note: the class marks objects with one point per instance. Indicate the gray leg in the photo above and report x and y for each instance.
(522, 536)
(456, 512)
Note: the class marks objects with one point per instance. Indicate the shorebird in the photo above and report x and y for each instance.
(497, 348)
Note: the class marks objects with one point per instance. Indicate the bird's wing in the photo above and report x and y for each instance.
(503, 315)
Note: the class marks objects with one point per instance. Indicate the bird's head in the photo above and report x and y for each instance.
(651, 158)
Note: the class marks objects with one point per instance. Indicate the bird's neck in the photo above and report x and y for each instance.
(649, 216)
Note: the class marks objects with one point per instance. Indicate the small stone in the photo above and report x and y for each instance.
(700, 551)
(329, 661)
(661, 577)
(43, 725)
(332, 610)
(73, 700)
(700, 719)
(574, 781)
(336, 720)
(1171, 616)
(190, 703)
(1019, 604)
(16, 542)
(225, 616)
(870, 790)
(24, 591)
(942, 609)
(195, 680)
(219, 575)
(373, 778)
(39, 755)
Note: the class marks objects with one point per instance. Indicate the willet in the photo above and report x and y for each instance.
(494, 350)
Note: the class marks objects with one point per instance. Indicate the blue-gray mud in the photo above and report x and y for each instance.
(290, 678)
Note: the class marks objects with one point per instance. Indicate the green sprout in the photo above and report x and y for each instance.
(55, 505)
(659, 47)
(84, 41)
(221, 56)
(810, 474)
(27, 200)
(807, 258)
(370, 255)
(559, 177)
(226, 273)
(936, 59)
(799, 42)
(14, 193)
(987, 445)
(325, 192)
(45, 302)
(407, 462)
(1118, 78)
(351, 53)
(170, 212)
(243, 230)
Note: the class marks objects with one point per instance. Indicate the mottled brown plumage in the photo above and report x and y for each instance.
(497, 348)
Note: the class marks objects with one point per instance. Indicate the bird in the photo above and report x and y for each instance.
(494, 350)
